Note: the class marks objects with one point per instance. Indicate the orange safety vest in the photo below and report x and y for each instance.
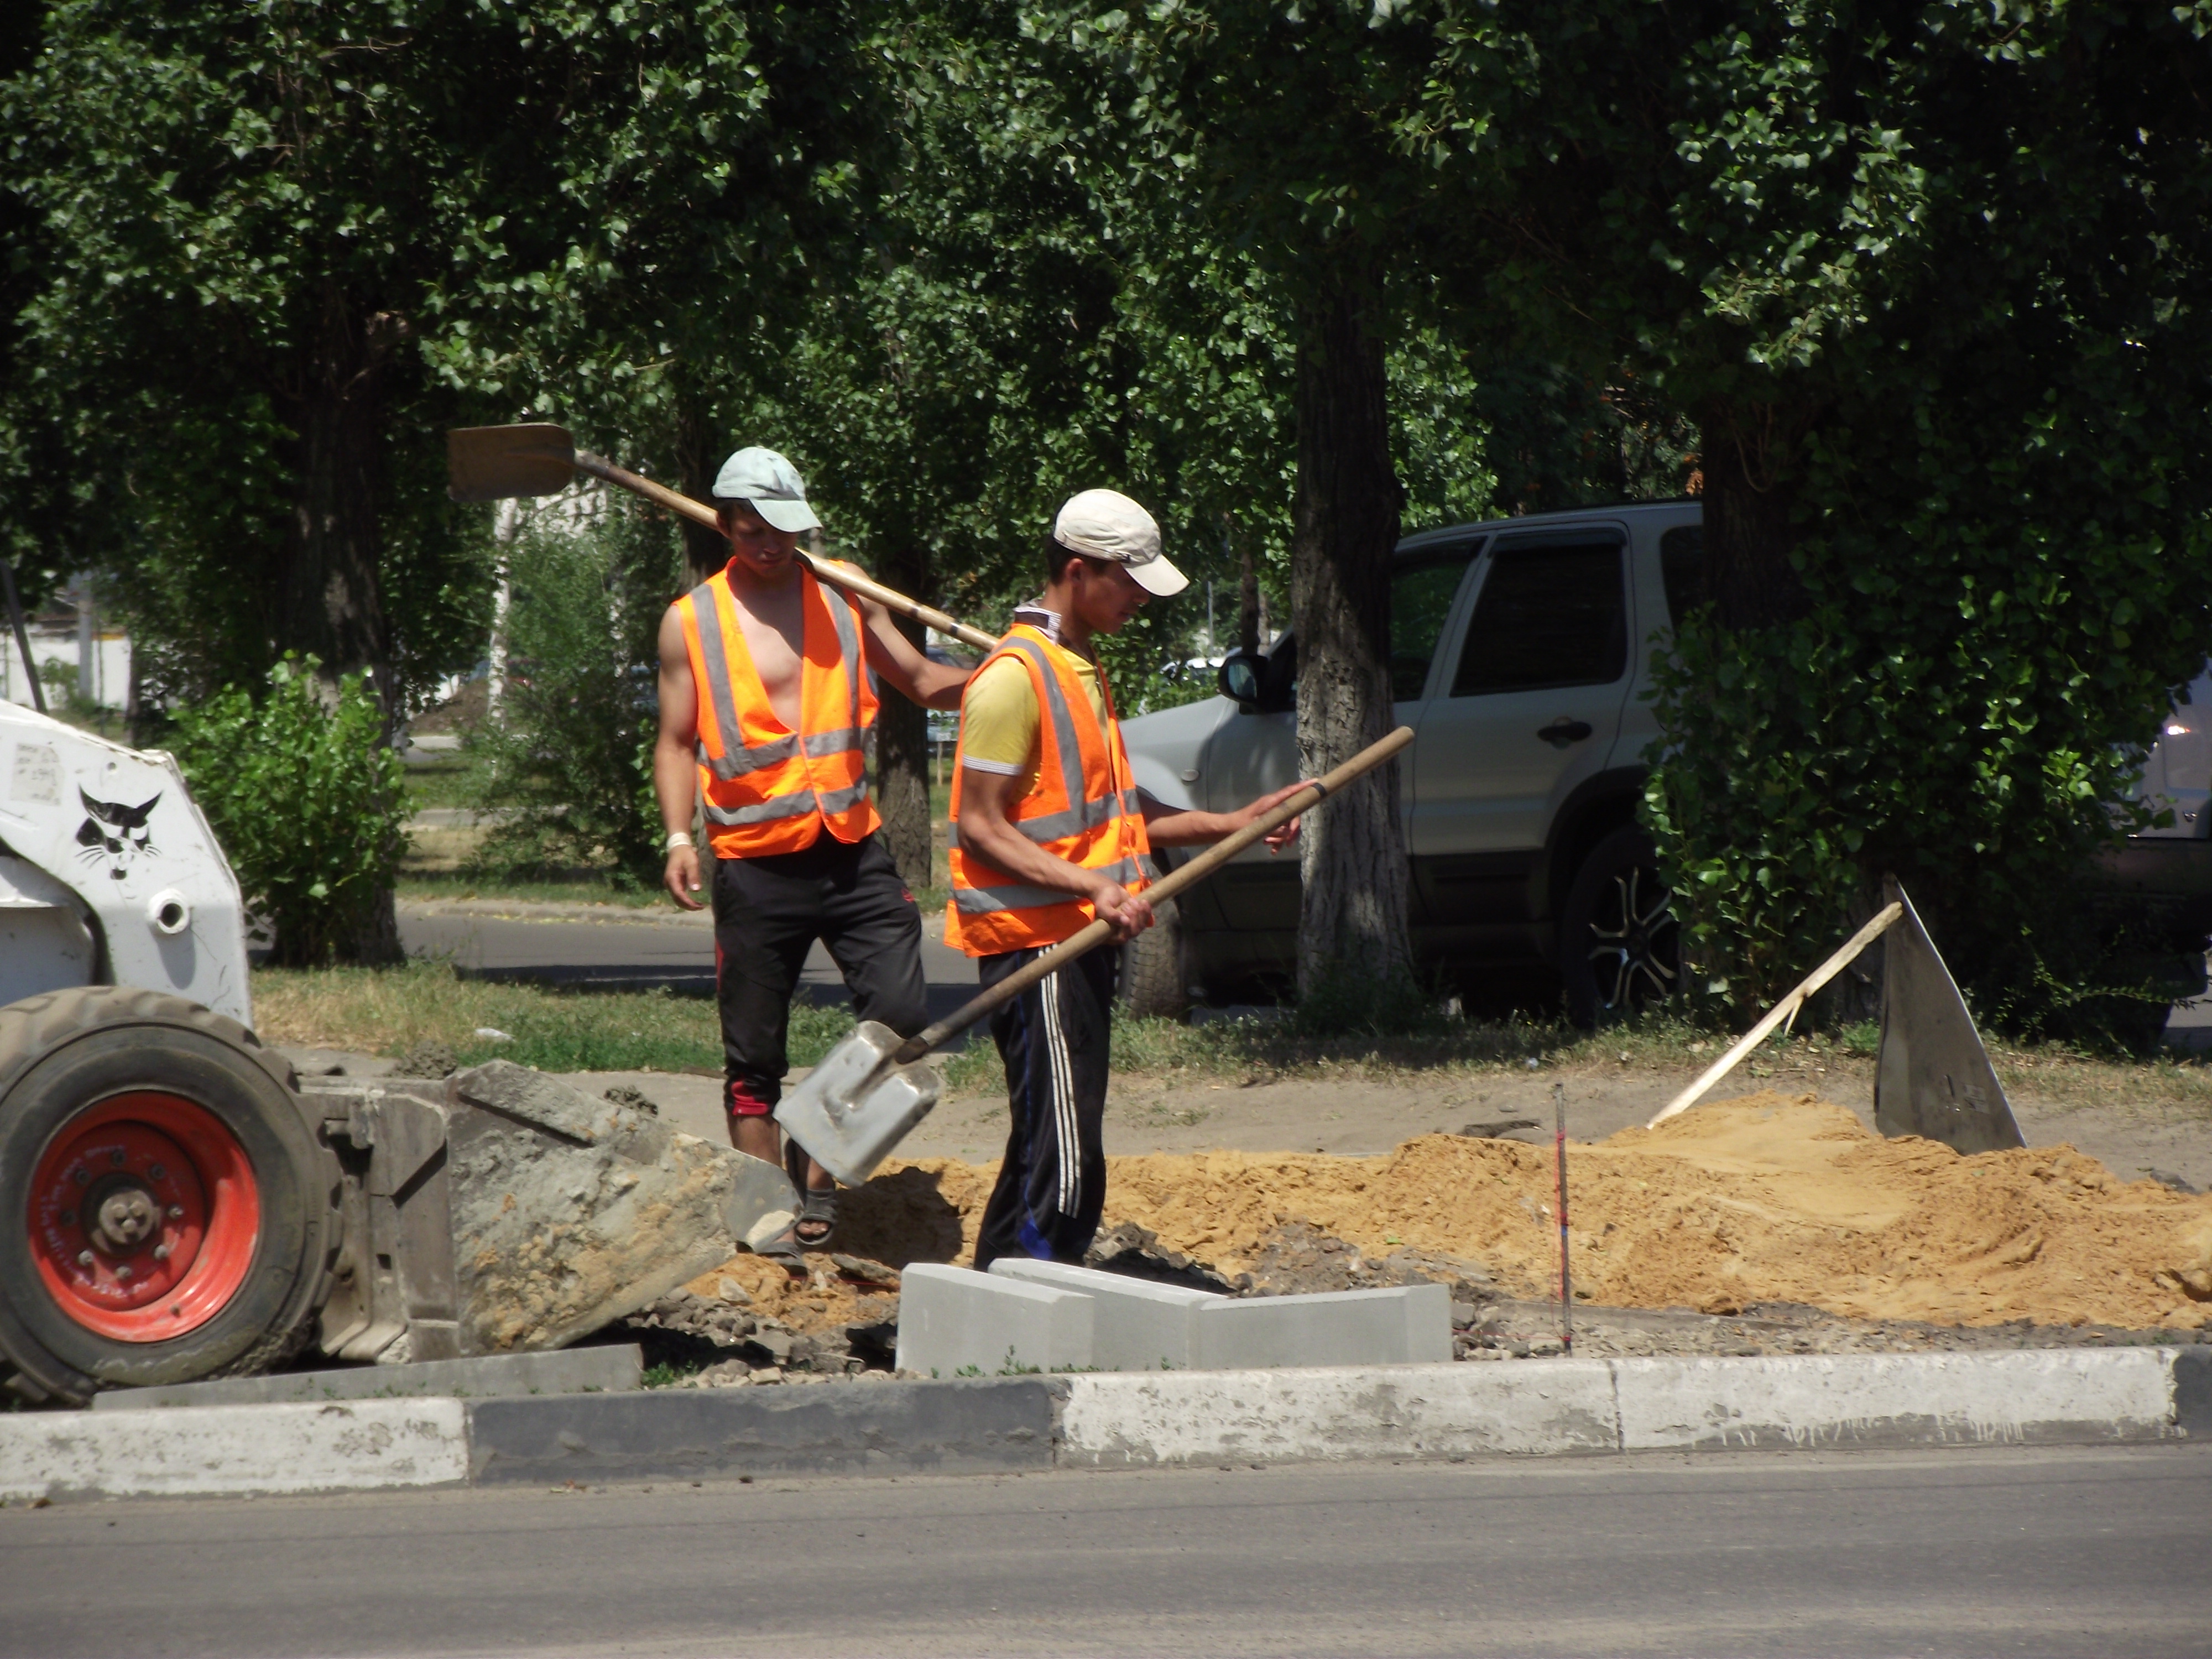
(768, 789)
(1082, 808)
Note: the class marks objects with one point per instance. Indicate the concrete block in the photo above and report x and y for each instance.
(1535, 1408)
(614, 1369)
(704, 1434)
(2048, 1395)
(1136, 1325)
(1406, 1324)
(953, 1318)
(231, 1450)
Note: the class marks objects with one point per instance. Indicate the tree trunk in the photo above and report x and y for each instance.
(699, 457)
(1353, 924)
(332, 606)
(1748, 492)
(903, 743)
(1248, 592)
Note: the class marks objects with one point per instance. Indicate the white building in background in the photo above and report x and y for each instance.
(68, 631)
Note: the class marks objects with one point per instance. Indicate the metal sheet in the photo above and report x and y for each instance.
(1933, 1076)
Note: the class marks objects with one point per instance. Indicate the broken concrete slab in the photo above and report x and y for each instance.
(1137, 1325)
(955, 1320)
(570, 1212)
(1403, 1325)
(614, 1369)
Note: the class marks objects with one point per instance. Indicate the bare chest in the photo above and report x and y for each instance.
(774, 627)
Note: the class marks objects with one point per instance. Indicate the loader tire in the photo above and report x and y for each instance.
(161, 1216)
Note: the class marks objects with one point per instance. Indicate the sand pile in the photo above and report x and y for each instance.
(1756, 1200)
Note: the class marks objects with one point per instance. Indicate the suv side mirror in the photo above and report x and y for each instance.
(1239, 678)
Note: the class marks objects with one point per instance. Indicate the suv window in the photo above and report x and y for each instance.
(1422, 589)
(1553, 613)
(1682, 569)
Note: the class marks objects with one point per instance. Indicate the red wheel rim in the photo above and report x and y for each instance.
(143, 1216)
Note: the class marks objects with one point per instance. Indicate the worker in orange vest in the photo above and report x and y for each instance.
(1049, 831)
(765, 702)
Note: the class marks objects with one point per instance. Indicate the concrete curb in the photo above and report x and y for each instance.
(1528, 1408)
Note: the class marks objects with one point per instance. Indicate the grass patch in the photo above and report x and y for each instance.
(454, 779)
(387, 1010)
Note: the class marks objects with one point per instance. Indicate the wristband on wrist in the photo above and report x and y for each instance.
(680, 838)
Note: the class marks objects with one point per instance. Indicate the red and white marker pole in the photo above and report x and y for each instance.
(1566, 1283)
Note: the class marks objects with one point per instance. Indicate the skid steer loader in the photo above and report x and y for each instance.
(175, 1204)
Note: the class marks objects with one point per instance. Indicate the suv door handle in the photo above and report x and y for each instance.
(1562, 731)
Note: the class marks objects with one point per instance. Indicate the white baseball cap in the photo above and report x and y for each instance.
(1104, 524)
(769, 485)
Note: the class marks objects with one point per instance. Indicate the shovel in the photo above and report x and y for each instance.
(872, 1088)
(495, 463)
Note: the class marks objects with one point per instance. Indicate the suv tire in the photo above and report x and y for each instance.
(1620, 941)
(1152, 984)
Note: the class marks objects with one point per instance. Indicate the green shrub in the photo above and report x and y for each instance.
(305, 797)
(568, 760)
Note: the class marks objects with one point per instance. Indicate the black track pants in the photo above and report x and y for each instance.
(1053, 1038)
(767, 913)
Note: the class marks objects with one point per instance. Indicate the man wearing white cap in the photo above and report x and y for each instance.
(1048, 832)
(765, 702)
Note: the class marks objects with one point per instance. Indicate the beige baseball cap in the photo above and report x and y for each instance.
(769, 485)
(1104, 524)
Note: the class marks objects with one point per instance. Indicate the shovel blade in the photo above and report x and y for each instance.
(854, 1107)
(495, 463)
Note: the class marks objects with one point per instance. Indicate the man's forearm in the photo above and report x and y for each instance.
(675, 782)
(1188, 829)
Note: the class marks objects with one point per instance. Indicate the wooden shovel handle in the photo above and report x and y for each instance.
(1165, 888)
(699, 513)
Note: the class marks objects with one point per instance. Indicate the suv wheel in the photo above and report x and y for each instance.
(1153, 985)
(1621, 949)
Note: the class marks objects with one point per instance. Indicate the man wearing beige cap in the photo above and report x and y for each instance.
(1049, 831)
(765, 701)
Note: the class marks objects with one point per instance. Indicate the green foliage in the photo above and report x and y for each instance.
(568, 760)
(306, 800)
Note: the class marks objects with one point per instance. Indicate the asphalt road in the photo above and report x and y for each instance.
(655, 948)
(1973, 1552)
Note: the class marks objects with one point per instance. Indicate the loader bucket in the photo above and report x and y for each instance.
(501, 1211)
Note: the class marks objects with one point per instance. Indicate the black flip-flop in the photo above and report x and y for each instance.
(819, 1207)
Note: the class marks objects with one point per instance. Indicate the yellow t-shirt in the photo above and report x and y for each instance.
(999, 718)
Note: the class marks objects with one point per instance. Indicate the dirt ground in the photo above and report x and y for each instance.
(1355, 1116)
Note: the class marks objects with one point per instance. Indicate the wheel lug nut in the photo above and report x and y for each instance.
(84, 1258)
(79, 1174)
(156, 1172)
(115, 1158)
(122, 1273)
(176, 1213)
(160, 1253)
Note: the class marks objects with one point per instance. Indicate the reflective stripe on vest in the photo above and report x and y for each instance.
(763, 792)
(1081, 808)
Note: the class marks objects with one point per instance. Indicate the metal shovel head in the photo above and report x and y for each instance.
(854, 1107)
(495, 463)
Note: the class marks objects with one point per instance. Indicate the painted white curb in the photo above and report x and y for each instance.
(218, 1450)
(1138, 1419)
(1897, 1399)
(1120, 1421)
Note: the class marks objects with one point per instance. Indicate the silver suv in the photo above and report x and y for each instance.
(1521, 653)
